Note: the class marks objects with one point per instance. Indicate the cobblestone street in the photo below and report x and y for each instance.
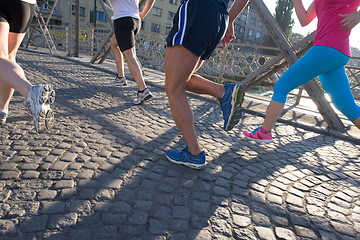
(101, 172)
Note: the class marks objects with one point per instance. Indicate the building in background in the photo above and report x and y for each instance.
(158, 20)
(89, 17)
(248, 27)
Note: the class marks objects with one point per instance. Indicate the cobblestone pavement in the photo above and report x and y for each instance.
(101, 172)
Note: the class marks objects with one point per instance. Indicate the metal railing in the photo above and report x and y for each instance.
(231, 64)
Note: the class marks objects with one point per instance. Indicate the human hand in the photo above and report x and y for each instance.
(229, 35)
(349, 21)
(142, 15)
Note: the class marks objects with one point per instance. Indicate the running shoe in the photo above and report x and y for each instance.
(142, 96)
(38, 103)
(231, 104)
(184, 157)
(258, 136)
(3, 116)
(119, 81)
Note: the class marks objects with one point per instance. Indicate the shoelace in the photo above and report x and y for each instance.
(256, 130)
(182, 152)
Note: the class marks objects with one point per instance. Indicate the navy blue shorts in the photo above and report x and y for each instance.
(199, 26)
(17, 13)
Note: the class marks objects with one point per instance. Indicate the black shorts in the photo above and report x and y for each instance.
(17, 13)
(126, 29)
(199, 26)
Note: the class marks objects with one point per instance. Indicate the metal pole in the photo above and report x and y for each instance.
(94, 13)
(77, 33)
(70, 29)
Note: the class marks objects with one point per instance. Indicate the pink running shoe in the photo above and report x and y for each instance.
(258, 136)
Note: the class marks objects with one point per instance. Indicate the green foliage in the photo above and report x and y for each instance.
(283, 12)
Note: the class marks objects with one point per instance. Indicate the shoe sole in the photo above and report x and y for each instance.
(235, 115)
(118, 84)
(3, 121)
(194, 166)
(258, 140)
(46, 116)
(145, 99)
(46, 120)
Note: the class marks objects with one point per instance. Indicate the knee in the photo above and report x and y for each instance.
(113, 43)
(12, 57)
(278, 87)
(130, 58)
(171, 88)
(280, 91)
(168, 88)
(4, 55)
(129, 54)
(350, 109)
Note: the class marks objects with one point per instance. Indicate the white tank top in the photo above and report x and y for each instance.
(126, 8)
(29, 1)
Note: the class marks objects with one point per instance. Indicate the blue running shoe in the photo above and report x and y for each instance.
(231, 104)
(184, 157)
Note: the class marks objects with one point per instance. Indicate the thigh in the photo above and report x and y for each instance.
(199, 26)
(335, 81)
(336, 84)
(4, 35)
(18, 14)
(14, 42)
(125, 30)
(316, 61)
(180, 64)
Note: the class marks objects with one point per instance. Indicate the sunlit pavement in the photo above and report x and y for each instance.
(101, 173)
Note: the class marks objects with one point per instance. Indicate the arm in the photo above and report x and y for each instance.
(234, 11)
(147, 7)
(304, 16)
(350, 20)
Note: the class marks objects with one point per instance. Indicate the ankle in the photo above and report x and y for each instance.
(141, 91)
(221, 93)
(263, 130)
(195, 155)
(194, 152)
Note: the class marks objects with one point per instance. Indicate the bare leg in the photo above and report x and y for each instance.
(272, 113)
(6, 93)
(11, 74)
(200, 85)
(357, 122)
(118, 57)
(180, 64)
(275, 109)
(134, 67)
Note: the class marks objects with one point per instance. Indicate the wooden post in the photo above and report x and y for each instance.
(107, 7)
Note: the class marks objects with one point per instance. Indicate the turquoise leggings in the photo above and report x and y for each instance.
(327, 63)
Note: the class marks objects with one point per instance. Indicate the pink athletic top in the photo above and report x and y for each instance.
(329, 31)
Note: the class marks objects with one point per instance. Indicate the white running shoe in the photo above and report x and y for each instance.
(38, 102)
(142, 96)
(119, 81)
(3, 116)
